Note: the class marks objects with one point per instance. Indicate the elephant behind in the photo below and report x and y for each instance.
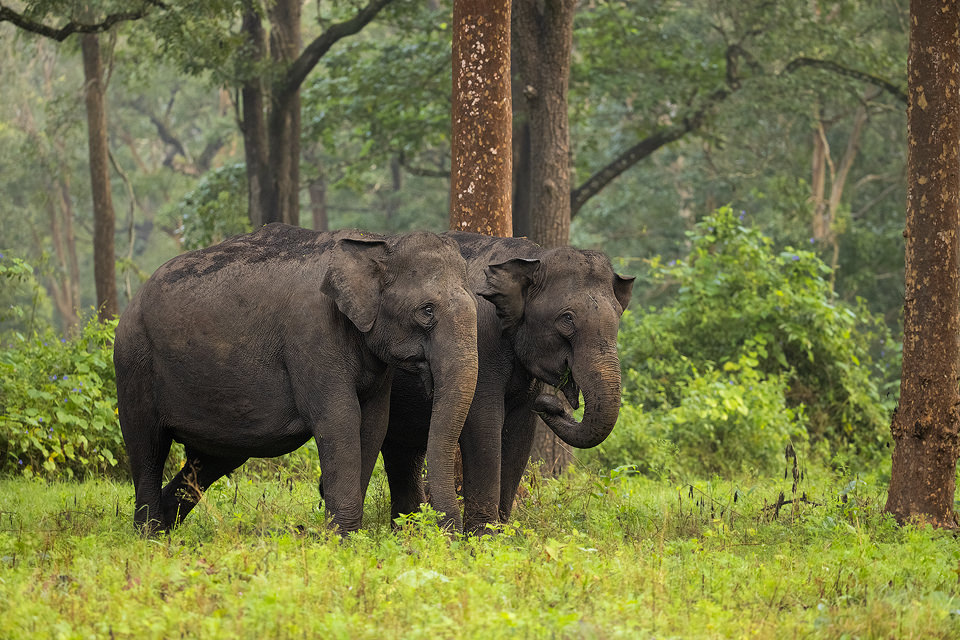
(250, 347)
(544, 316)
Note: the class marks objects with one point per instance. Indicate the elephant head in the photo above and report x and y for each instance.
(410, 299)
(562, 312)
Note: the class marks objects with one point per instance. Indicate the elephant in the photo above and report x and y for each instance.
(544, 316)
(252, 346)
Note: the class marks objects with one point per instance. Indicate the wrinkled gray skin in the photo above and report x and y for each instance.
(544, 316)
(253, 346)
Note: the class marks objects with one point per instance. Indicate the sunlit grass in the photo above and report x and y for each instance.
(613, 555)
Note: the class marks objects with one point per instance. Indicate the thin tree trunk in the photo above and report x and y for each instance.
(104, 262)
(521, 155)
(481, 145)
(317, 191)
(925, 424)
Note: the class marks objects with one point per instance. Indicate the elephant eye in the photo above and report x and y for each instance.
(565, 324)
(425, 315)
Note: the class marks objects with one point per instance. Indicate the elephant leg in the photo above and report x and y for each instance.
(519, 428)
(405, 447)
(184, 491)
(480, 451)
(404, 467)
(374, 419)
(341, 462)
(147, 447)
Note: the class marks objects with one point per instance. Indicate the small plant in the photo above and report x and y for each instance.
(58, 405)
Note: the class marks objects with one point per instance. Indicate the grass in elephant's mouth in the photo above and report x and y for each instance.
(587, 555)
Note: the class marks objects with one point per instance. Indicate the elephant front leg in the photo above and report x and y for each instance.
(339, 446)
(481, 455)
(374, 419)
(519, 428)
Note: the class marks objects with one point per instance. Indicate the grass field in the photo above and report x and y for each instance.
(587, 556)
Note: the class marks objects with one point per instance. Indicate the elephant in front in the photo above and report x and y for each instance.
(250, 347)
(544, 317)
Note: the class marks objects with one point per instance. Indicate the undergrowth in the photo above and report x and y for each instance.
(586, 555)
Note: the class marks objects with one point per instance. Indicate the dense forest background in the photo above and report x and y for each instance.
(745, 159)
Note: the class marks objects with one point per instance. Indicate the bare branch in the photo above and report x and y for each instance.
(646, 147)
(829, 65)
(311, 55)
(62, 33)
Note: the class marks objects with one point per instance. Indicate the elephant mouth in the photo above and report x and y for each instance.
(565, 383)
(426, 377)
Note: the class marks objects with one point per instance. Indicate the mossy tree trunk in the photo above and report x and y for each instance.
(925, 425)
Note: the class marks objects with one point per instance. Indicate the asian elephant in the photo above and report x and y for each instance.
(543, 316)
(250, 347)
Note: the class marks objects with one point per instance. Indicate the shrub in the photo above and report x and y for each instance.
(754, 349)
(58, 405)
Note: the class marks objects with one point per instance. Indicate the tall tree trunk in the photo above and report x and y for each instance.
(925, 424)
(104, 262)
(259, 184)
(544, 39)
(543, 32)
(284, 118)
(481, 145)
(64, 287)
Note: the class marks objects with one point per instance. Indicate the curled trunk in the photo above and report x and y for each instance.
(599, 379)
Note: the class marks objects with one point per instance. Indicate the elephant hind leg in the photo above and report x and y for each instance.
(184, 491)
(147, 444)
(404, 468)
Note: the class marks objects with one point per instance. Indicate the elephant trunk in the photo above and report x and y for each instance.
(599, 379)
(453, 365)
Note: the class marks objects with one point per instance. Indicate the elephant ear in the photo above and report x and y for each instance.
(623, 289)
(506, 287)
(354, 278)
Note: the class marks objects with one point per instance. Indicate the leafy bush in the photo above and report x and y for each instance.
(753, 350)
(57, 405)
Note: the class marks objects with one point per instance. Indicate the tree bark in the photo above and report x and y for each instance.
(925, 424)
(284, 119)
(543, 32)
(481, 137)
(544, 40)
(253, 124)
(104, 261)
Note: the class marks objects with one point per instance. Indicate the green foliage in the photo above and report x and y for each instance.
(753, 350)
(586, 556)
(20, 295)
(214, 210)
(57, 405)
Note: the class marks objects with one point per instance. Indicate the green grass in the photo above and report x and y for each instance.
(586, 556)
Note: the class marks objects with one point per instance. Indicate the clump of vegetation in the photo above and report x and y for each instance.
(752, 351)
(58, 404)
